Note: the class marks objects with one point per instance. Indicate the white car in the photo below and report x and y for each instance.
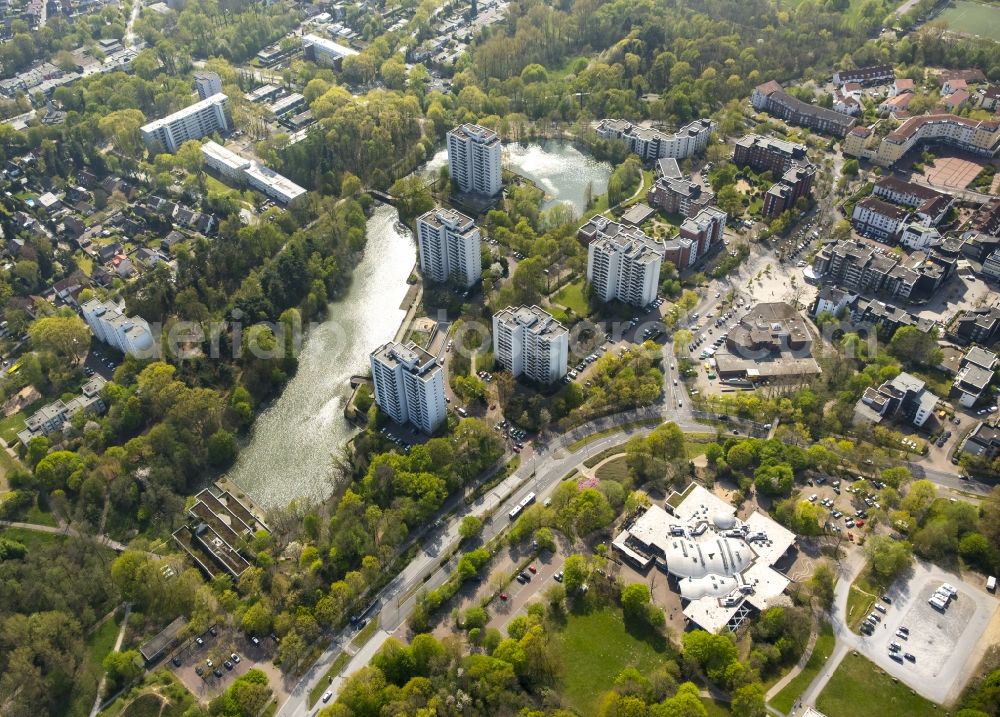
(327, 695)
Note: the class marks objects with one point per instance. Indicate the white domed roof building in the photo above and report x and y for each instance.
(721, 566)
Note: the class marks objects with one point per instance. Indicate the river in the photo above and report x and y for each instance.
(289, 452)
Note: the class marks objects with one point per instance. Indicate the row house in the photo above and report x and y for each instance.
(929, 205)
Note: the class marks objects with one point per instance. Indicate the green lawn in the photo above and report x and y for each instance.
(338, 664)
(366, 633)
(861, 598)
(30, 538)
(716, 709)
(595, 647)
(40, 517)
(860, 689)
(10, 425)
(615, 469)
(825, 642)
(102, 641)
(572, 297)
(973, 18)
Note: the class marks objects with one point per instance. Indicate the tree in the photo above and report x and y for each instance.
(221, 448)
(67, 337)
(575, 573)
(470, 527)
(915, 347)
(748, 701)
(851, 168)
(123, 668)
(822, 584)
(712, 653)
(888, 557)
(122, 128)
(635, 598)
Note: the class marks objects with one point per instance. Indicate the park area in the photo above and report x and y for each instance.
(972, 18)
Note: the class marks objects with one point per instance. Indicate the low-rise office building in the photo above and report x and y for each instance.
(623, 264)
(450, 247)
(527, 341)
(409, 385)
(193, 122)
(129, 334)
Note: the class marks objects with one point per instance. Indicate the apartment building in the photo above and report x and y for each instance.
(652, 144)
(980, 137)
(623, 263)
(108, 323)
(884, 219)
(929, 205)
(449, 245)
(888, 318)
(528, 341)
(409, 385)
(207, 84)
(704, 232)
(474, 159)
(987, 218)
(679, 196)
(915, 235)
(905, 396)
(770, 97)
(796, 182)
(325, 52)
(193, 122)
(52, 417)
(975, 373)
(763, 154)
(873, 75)
(981, 326)
(238, 169)
(857, 266)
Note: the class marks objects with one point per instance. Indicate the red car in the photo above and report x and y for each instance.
(859, 523)
(533, 569)
(503, 596)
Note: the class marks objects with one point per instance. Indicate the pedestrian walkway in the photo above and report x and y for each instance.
(799, 666)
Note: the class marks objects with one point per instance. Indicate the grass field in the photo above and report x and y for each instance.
(595, 648)
(10, 425)
(30, 538)
(338, 664)
(615, 469)
(860, 599)
(716, 709)
(973, 18)
(860, 689)
(825, 642)
(572, 297)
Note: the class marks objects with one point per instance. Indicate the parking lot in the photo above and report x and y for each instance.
(941, 643)
(219, 649)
